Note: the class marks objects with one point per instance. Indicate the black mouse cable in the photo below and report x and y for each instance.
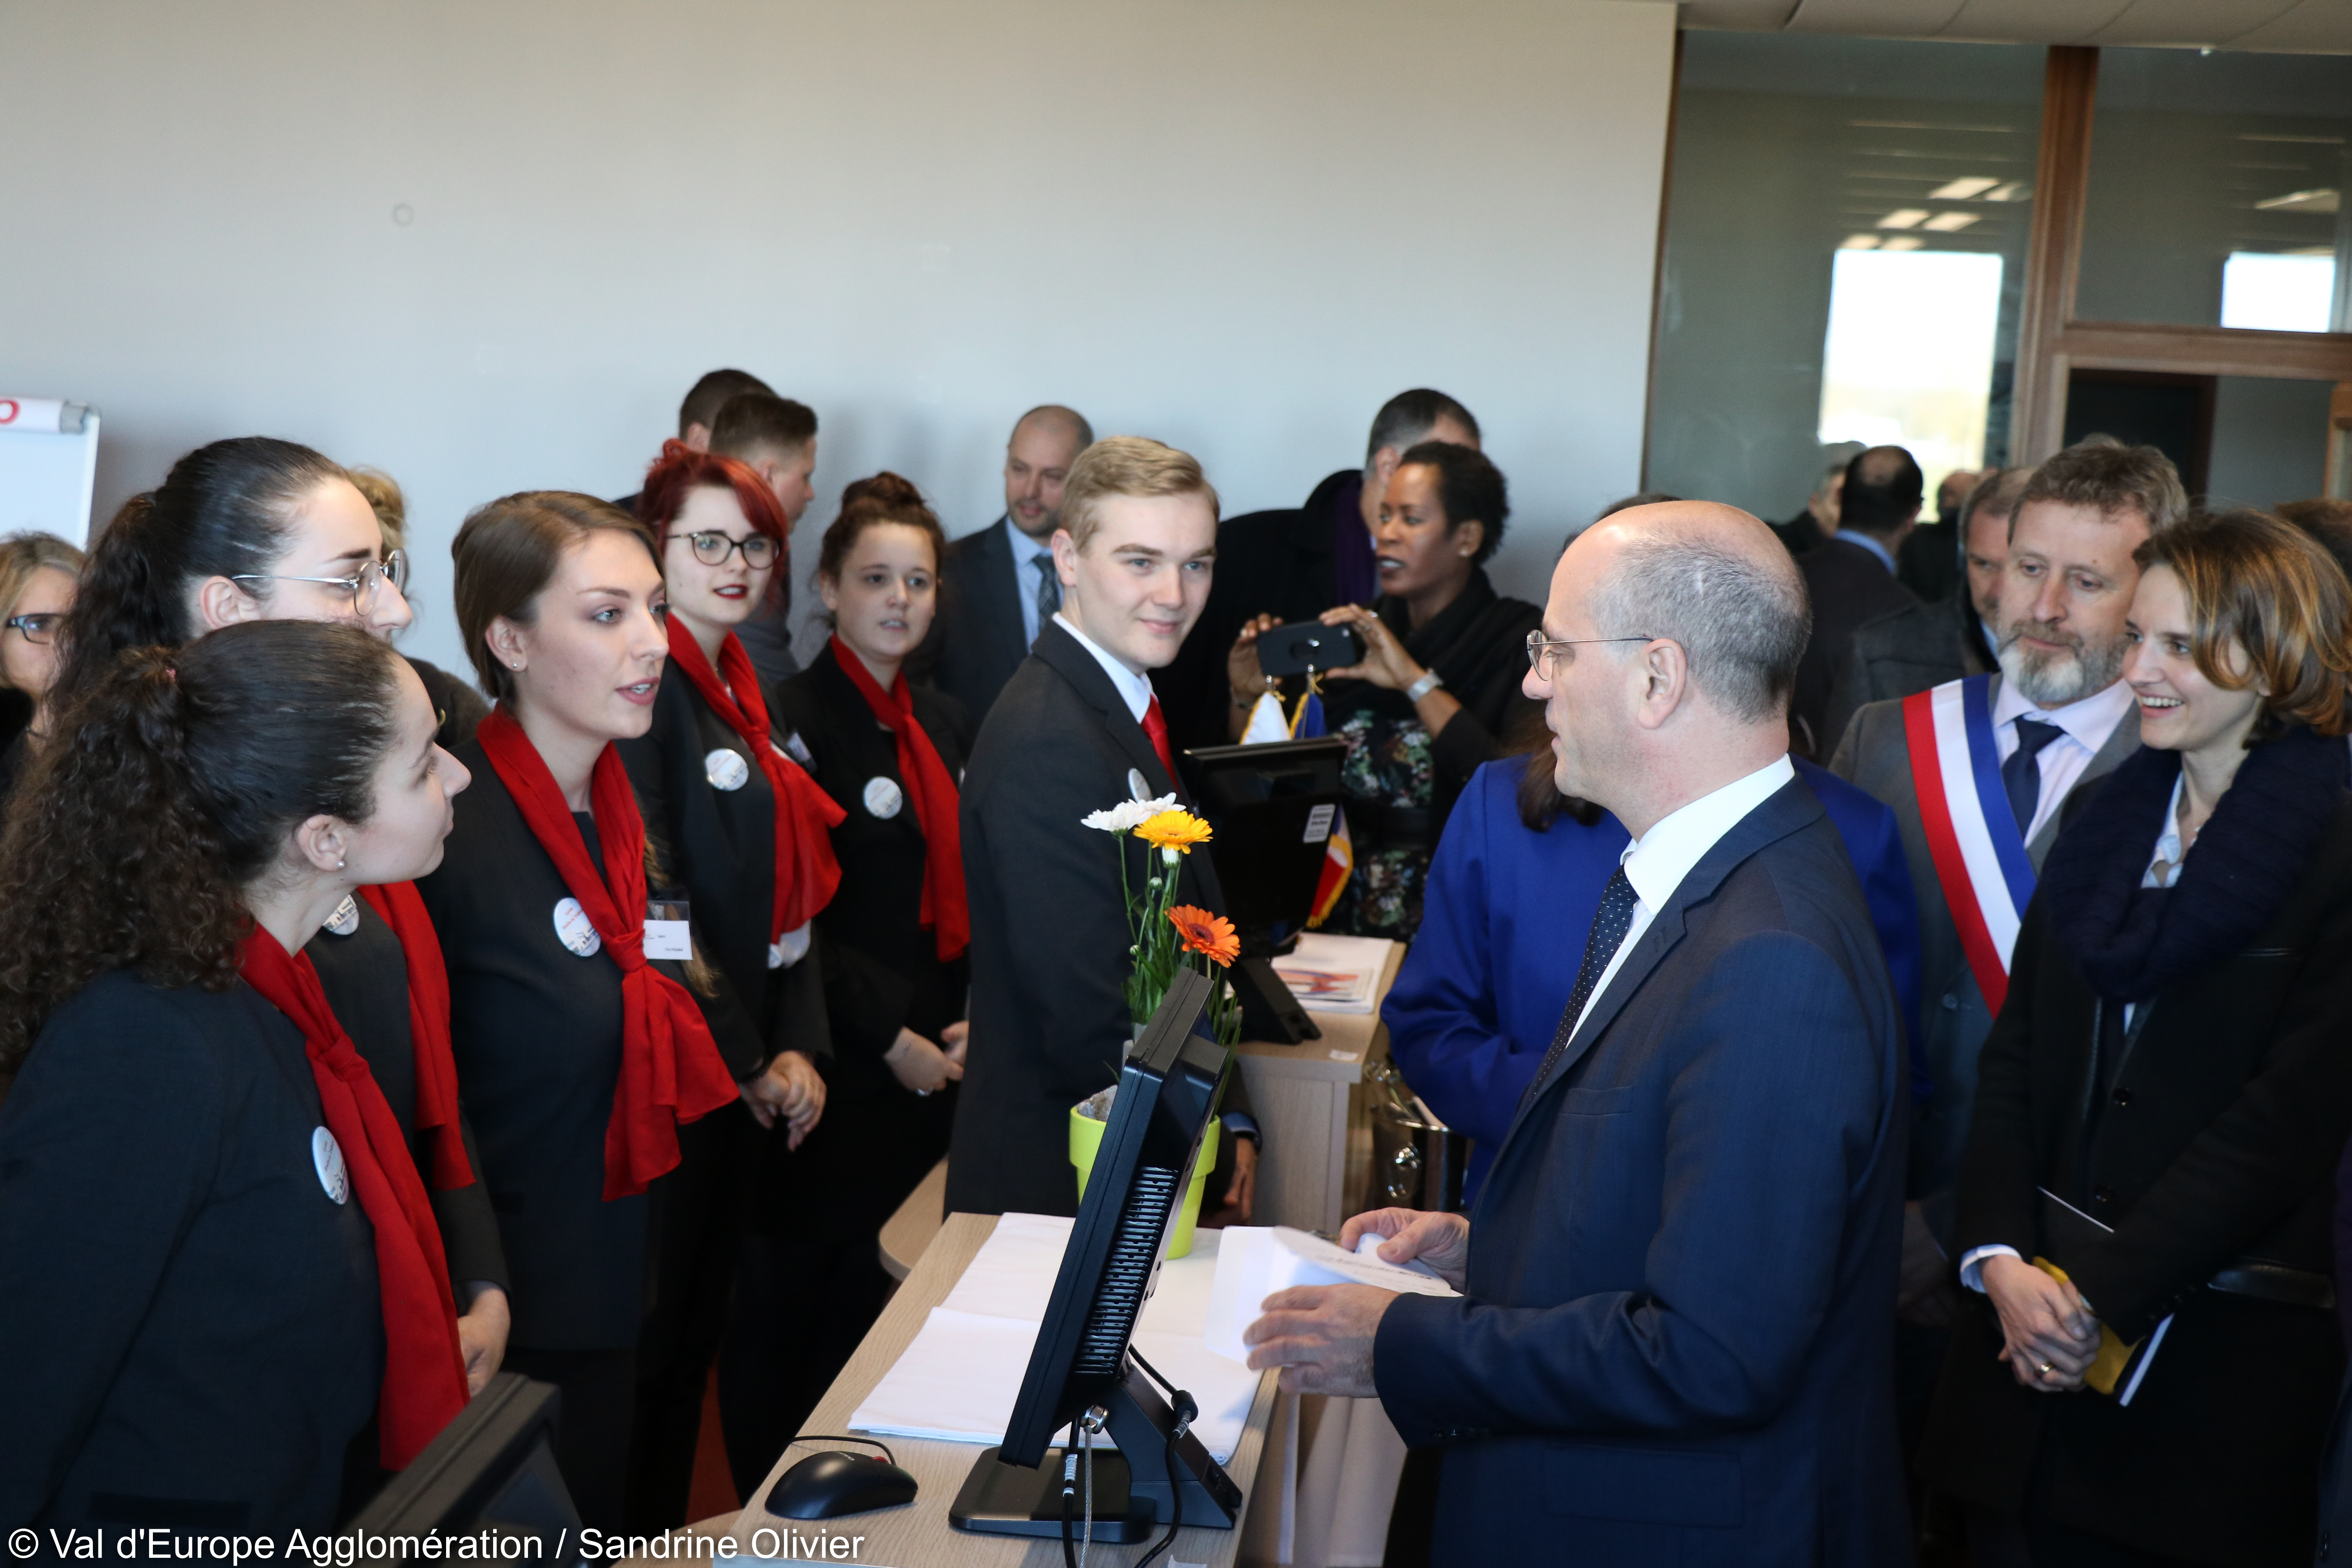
(888, 1457)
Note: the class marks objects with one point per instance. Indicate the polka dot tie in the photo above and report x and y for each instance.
(1610, 923)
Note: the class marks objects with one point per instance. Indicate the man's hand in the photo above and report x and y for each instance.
(791, 1088)
(482, 1336)
(955, 1039)
(1321, 1337)
(2052, 1338)
(1243, 1192)
(1441, 1241)
(920, 1066)
(1925, 1290)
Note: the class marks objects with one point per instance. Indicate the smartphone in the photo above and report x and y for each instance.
(1309, 645)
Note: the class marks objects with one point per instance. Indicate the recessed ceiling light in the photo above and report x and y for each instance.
(1962, 190)
(1859, 242)
(1949, 223)
(1903, 242)
(1903, 217)
(2318, 201)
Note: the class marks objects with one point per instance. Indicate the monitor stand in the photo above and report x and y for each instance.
(1270, 1010)
(1131, 1486)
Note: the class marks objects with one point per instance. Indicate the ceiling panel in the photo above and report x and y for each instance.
(2212, 23)
(1880, 18)
(2314, 27)
(2034, 21)
(2320, 26)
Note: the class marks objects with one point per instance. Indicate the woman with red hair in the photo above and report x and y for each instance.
(746, 830)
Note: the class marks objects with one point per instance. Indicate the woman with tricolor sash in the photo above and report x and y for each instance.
(2147, 1201)
(746, 833)
(222, 1269)
(586, 1029)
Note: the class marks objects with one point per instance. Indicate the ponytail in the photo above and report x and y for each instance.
(170, 787)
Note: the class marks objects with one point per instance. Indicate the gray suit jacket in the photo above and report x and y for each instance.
(979, 639)
(1915, 648)
(1954, 1018)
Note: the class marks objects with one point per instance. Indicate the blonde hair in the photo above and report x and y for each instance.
(383, 498)
(1127, 466)
(23, 554)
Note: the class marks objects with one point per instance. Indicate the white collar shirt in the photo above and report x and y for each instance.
(2087, 725)
(1133, 688)
(1656, 863)
(1031, 560)
(1855, 536)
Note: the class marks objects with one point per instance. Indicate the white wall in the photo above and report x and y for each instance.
(1235, 224)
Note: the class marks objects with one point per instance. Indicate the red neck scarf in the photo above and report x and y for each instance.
(429, 1030)
(933, 792)
(806, 872)
(424, 1371)
(670, 1068)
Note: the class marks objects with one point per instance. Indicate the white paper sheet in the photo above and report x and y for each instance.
(1254, 1261)
(1334, 974)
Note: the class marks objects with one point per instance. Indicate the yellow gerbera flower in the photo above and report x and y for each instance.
(1176, 831)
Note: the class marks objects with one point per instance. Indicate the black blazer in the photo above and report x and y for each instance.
(2219, 1141)
(978, 638)
(720, 847)
(193, 1325)
(1848, 585)
(366, 977)
(1049, 941)
(537, 1031)
(1280, 562)
(882, 968)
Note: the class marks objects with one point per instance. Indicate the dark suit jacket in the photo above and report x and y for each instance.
(1915, 648)
(1676, 1342)
(1848, 585)
(1049, 937)
(1277, 562)
(978, 638)
(193, 1325)
(2219, 1141)
(1953, 1019)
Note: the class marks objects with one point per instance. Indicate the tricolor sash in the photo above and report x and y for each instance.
(1972, 834)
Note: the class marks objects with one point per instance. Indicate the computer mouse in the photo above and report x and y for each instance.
(826, 1486)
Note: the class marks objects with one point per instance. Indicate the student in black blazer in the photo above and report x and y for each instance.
(581, 1046)
(2171, 1066)
(1077, 729)
(745, 832)
(223, 1278)
(999, 586)
(254, 528)
(888, 753)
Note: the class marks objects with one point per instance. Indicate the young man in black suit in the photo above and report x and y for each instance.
(1076, 730)
(1002, 587)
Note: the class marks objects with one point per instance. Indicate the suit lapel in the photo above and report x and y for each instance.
(1070, 660)
(996, 561)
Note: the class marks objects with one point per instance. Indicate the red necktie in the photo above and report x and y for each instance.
(1157, 727)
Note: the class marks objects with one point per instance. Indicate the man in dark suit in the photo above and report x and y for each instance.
(775, 437)
(1076, 730)
(999, 585)
(1851, 580)
(1297, 564)
(1673, 1344)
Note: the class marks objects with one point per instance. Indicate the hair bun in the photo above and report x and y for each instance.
(883, 489)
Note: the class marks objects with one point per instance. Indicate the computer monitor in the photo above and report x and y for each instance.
(1081, 1370)
(491, 1470)
(1274, 806)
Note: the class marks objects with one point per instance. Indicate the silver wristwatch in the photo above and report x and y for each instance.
(1430, 681)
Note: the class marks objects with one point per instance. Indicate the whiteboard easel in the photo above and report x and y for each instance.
(49, 466)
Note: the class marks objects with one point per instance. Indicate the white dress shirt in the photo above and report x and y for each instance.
(1133, 688)
(1027, 553)
(2087, 725)
(1657, 862)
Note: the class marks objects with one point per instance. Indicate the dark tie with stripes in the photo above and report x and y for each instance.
(1610, 923)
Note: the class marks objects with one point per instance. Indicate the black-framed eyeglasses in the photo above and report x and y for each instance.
(1539, 648)
(362, 586)
(37, 629)
(712, 548)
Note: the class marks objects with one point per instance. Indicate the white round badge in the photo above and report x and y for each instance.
(1135, 788)
(574, 930)
(327, 1156)
(346, 918)
(725, 770)
(883, 798)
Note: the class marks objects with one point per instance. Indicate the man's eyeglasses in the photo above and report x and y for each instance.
(712, 549)
(1539, 646)
(39, 628)
(362, 586)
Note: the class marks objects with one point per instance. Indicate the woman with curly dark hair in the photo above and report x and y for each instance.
(257, 529)
(222, 1267)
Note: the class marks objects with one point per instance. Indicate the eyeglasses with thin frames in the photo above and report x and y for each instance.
(1539, 648)
(362, 586)
(712, 548)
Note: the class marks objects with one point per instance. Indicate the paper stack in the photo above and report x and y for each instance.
(1254, 1261)
(1334, 974)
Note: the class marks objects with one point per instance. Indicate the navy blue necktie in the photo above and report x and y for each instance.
(1049, 591)
(2021, 775)
(1610, 923)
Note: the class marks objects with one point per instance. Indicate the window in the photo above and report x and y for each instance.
(1908, 358)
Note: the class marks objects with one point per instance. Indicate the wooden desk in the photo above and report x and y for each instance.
(910, 1230)
(919, 1535)
(1309, 1101)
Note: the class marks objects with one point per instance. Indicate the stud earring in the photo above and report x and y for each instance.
(342, 864)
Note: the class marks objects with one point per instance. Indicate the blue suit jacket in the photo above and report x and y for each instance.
(1677, 1346)
(1502, 929)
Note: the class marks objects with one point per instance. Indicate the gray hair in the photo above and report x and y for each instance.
(1406, 420)
(1742, 618)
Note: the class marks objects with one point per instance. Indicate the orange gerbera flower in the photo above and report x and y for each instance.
(1177, 830)
(1210, 935)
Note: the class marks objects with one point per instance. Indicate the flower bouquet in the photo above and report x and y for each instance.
(1164, 935)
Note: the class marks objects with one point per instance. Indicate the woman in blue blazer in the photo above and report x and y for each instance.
(1482, 990)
